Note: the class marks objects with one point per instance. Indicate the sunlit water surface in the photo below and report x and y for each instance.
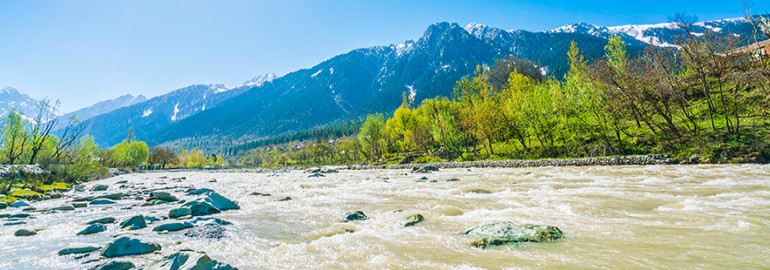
(666, 217)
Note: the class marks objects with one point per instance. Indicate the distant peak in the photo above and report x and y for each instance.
(259, 80)
(9, 90)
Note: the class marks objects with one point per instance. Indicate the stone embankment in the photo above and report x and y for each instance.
(595, 161)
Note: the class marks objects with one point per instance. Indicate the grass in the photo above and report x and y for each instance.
(24, 193)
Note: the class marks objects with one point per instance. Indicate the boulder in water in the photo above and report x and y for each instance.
(413, 219)
(19, 215)
(19, 204)
(78, 250)
(203, 221)
(64, 208)
(93, 228)
(201, 208)
(220, 202)
(79, 205)
(504, 233)
(99, 188)
(199, 191)
(106, 220)
(102, 201)
(134, 223)
(179, 212)
(172, 227)
(3, 205)
(126, 246)
(187, 260)
(24, 232)
(114, 265)
(357, 215)
(113, 196)
(164, 196)
(207, 231)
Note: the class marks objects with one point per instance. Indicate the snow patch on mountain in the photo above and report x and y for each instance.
(176, 112)
(147, 112)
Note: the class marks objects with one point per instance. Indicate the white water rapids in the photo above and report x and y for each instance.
(619, 217)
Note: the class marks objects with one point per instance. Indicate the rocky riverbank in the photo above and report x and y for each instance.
(595, 161)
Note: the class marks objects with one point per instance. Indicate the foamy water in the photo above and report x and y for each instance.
(666, 217)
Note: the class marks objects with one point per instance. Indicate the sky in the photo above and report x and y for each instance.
(82, 52)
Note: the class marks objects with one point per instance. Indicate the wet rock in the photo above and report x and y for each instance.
(99, 188)
(83, 199)
(504, 233)
(113, 196)
(28, 209)
(19, 215)
(413, 219)
(5, 215)
(102, 201)
(19, 204)
(316, 175)
(15, 223)
(179, 212)
(172, 227)
(203, 221)
(358, 215)
(126, 246)
(53, 195)
(114, 265)
(3, 205)
(478, 190)
(106, 220)
(134, 223)
(201, 208)
(207, 231)
(79, 205)
(199, 191)
(220, 202)
(330, 171)
(150, 219)
(164, 196)
(452, 180)
(187, 260)
(64, 208)
(24, 232)
(92, 229)
(78, 250)
(259, 194)
(212, 181)
(285, 199)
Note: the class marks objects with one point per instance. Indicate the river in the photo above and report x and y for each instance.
(620, 217)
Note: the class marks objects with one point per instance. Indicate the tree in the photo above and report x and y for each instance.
(162, 156)
(42, 126)
(373, 136)
(15, 137)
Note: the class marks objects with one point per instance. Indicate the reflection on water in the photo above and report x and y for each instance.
(709, 216)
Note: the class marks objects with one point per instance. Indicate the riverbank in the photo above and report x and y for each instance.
(593, 161)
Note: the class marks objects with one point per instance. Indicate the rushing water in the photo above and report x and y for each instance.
(666, 217)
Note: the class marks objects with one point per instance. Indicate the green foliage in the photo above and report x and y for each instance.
(373, 136)
(126, 155)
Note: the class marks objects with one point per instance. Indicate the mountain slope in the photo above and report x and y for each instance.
(103, 107)
(11, 98)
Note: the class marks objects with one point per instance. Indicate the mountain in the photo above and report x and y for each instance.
(103, 107)
(11, 98)
(662, 34)
(369, 80)
(148, 116)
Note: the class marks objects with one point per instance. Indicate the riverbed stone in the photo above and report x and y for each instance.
(79, 205)
(78, 250)
(19, 215)
(127, 246)
(3, 205)
(201, 208)
(102, 201)
(172, 227)
(203, 221)
(220, 202)
(199, 191)
(113, 196)
(19, 204)
(114, 265)
(164, 196)
(13, 223)
(357, 215)
(179, 212)
(64, 208)
(207, 232)
(413, 219)
(83, 199)
(24, 232)
(99, 187)
(187, 260)
(106, 220)
(92, 229)
(505, 233)
(134, 223)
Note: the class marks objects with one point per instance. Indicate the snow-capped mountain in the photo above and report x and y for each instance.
(662, 34)
(103, 107)
(158, 112)
(11, 98)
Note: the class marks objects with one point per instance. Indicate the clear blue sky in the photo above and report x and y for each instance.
(81, 52)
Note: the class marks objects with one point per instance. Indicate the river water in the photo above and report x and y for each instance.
(627, 217)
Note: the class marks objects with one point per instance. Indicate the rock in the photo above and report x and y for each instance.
(212, 181)
(452, 180)
(478, 190)
(150, 219)
(285, 199)
(78, 250)
(3, 205)
(126, 246)
(199, 191)
(28, 209)
(259, 194)
(102, 201)
(316, 175)
(220, 202)
(106, 220)
(19, 215)
(24, 232)
(172, 227)
(179, 212)
(207, 231)
(504, 233)
(83, 199)
(64, 208)
(79, 205)
(358, 215)
(187, 260)
(114, 265)
(5, 215)
(201, 208)
(134, 223)
(203, 221)
(92, 229)
(164, 196)
(54, 195)
(99, 188)
(19, 204)
(113, 196)
(413, 219)
(14, 223)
